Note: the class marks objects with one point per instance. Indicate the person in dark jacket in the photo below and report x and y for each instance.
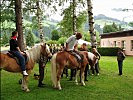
(120, 58)
(96, 53)
(14, 48)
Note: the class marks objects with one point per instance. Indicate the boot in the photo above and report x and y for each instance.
(41, 84)
(25, 73)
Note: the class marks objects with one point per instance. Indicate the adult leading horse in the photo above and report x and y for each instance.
(62, 59)
(9, 64)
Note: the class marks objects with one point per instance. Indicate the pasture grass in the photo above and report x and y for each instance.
(107, 86)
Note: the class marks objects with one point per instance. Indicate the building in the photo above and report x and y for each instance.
(123, 39)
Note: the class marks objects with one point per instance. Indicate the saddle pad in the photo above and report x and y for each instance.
(17, 60)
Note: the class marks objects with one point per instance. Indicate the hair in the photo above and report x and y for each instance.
(84, 44)
(78, 35)
(94, 50)
(14, 33)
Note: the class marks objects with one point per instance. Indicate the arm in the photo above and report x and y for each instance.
(66, 46)
(20, 51)
(76, 47)
(99, 55)
(68, 41)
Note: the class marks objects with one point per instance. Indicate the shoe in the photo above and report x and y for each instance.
(92, 74)
(43, 84)
(120, 74)
(86, 80)
(97, 74)
(70, 79)
(40, 85)
(25, 73)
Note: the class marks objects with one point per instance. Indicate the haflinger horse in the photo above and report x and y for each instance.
(62, 59)
(9, 64)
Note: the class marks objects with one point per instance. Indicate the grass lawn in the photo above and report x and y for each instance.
(107, 86)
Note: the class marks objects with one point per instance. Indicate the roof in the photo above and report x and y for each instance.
(117, 34)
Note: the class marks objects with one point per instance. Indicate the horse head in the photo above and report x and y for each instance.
(45, 51)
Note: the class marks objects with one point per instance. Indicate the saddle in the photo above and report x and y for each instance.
(10, 54)
(77, 55)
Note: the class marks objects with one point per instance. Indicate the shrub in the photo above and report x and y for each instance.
(30, 39)
(51, 42)
(107, 51)
(62, 40)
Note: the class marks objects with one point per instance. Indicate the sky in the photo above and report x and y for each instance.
(105, 7)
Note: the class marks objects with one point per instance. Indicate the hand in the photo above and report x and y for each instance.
(66, 49)
(22, 53)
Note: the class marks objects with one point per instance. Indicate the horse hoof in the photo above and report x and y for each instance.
(20, 81)
(60, 88)
(27, 90)
(83, 84)
(23, 88)
(76, 83)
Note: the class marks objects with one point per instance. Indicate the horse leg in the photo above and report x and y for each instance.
(60, 70)
(76, 76)
(82, 76)
(24, 85)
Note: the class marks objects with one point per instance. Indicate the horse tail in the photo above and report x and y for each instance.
(54, 70)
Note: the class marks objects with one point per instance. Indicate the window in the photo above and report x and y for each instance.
(131, 45)
(123, 44)
(114, 43)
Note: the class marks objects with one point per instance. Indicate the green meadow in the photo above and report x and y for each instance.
(107, 86)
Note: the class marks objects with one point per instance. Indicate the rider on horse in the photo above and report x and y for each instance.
(71, 45)
(14, 48)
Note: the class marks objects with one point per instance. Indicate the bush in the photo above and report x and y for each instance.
(30, 41)
(62, 40)
(51, 42)
(107, 51)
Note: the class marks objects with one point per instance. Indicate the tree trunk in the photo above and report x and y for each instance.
(91, 22)
(39, 20)
(19, 28)
(74, 17)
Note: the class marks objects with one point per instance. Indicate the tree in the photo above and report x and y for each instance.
(131, 24)
(19, 27)
(55, 35)
(112, 28)
(91, 22)
(115, 27)
(30, 39)
(62, 40)
(66, 25)
(5, 39)
(108, 29)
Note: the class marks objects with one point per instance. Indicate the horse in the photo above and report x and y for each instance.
(61, 59)
(34, 54)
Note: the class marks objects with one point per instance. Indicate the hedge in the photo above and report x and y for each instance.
(107, 51)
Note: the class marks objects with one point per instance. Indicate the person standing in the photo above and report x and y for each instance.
(120, 58)
(15, 50)
(96, 53)
(84, 48)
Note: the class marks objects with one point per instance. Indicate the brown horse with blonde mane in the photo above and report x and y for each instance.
(62, 59)
(9, 64)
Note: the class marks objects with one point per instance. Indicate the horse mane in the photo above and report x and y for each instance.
(34, 53)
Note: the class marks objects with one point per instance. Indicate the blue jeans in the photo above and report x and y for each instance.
(120, 64)
(21, 59)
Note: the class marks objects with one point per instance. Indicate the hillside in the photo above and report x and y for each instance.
(100, 20)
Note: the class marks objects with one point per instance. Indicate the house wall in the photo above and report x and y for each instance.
(109, 42)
